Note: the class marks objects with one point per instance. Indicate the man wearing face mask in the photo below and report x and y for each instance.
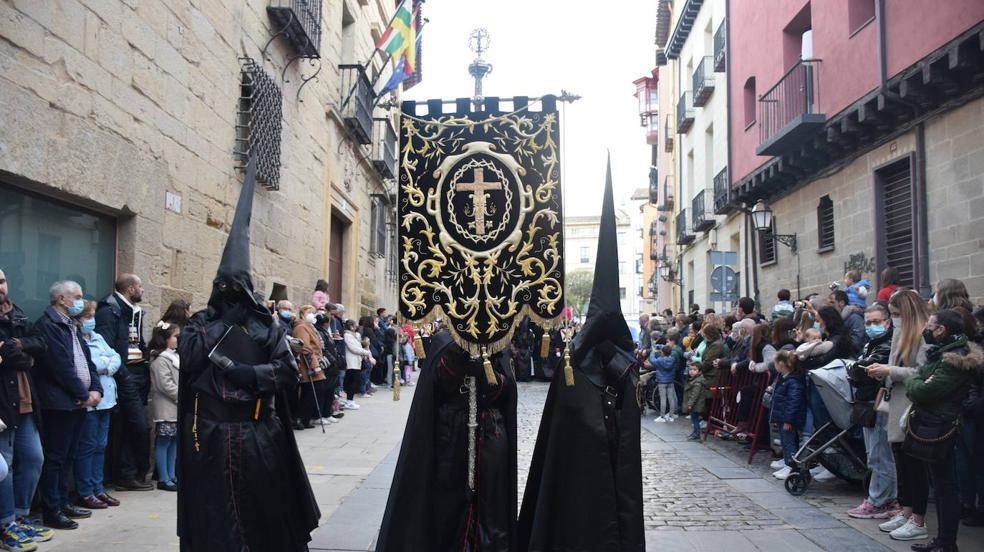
(119, 319)
(241, 481)
(67, 383)
(882, 490)
(285, 310)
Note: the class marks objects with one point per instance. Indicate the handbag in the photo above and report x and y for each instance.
(882, 399)
(929, 437)
(863, 414)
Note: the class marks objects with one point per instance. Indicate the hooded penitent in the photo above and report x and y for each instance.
(241, 483)
(584, 490)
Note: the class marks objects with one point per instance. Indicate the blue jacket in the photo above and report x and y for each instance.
(58, 387)
(665, 367)
(789, 400)
(107, 362)
(852, 293)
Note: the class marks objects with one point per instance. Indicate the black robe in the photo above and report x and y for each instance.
(584, 490)
(246, 488)
(430, 507)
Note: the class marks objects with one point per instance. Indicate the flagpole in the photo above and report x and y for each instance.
(393, 18)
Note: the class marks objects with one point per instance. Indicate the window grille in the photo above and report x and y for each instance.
(825, 224)
(258, 123)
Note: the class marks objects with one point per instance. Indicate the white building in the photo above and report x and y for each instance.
(581, 248)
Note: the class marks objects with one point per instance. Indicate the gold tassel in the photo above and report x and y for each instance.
(396, 383)
(545, 345)
(489, 374)
(418, 348)
(568, 370)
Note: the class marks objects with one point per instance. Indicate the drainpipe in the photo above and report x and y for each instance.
(922, 219)
(684, 307)
(882, 50)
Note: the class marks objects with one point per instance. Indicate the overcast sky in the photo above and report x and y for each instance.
(542, 46)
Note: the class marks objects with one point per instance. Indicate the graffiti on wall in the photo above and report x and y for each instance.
(861, 262)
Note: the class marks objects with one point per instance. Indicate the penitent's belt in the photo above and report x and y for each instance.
(213, 409)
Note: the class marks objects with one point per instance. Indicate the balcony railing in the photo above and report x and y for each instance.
(722, 193)
(667, 136)
(684, 237)
(384, 148)
(357, 102)
(667, 199)
(685, 113)
(703, 220)
(721, 47)
(299, 21)
(653, 185)
(790, 111)
(703, 81)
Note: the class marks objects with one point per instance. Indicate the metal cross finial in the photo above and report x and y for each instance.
(478, 41)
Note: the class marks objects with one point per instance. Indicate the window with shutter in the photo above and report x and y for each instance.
(825, 225)
(767, 246)
(896, 216)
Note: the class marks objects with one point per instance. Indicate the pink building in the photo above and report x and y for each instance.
(860, 123)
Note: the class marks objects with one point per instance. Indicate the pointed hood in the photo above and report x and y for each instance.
(604, 320)
(234, 267)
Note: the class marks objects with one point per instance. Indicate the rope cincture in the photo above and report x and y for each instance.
(194, 425)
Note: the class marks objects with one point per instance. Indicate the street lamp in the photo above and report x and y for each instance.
(763, 220)
(666, 273)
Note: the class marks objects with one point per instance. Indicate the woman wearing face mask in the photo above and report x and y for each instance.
(91, 454)
(309, 366)
(164, 400)
(909, 313)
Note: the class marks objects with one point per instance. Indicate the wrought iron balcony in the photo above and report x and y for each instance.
(653, 185)
(357, 102)
(667, 199)
(721, 47)
(790, 111)
(703, 220)
(703, 81)
(384, 148)
(684, 237)
(667, 136)
(722, 193)
(685, 113)
(299, 22)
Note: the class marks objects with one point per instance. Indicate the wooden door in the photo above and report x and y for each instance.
(336, 250)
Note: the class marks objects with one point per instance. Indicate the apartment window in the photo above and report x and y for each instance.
(638, 263)
(621, 293)
(584, 255)
(895, 219)
(797, 38)
(859, 14)
(378, 221)
(825, 225)
(749, 101)
(767, 246)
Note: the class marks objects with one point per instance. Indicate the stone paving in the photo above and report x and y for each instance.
(698, 496)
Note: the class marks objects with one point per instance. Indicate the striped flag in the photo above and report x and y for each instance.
(400, 36)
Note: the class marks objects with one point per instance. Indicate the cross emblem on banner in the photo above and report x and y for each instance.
(478, 188)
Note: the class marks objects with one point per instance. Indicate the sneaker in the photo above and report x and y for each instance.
(898, 521)
(867, 510)
(34, 532)
(703, 425)
(823, 475)
(910, 531)
(778, 464)
(694, 436)
(12, 539)
(661, 419)
(783, 473)
(351, 405)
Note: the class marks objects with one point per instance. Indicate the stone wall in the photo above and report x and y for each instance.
(111, 103)
(955, 194)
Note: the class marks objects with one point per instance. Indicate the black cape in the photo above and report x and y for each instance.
(246, 487)
(423, 488)
(584, 490)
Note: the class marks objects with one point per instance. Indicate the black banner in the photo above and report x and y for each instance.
(481, 221)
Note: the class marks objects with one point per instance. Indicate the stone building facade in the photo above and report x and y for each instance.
(118, 128)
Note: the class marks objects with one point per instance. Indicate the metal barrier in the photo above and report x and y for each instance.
(724, 405)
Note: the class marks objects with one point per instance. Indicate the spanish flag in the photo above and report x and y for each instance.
(400, 36)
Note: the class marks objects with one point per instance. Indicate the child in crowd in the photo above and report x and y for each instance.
(856, 288)
(813, 345)
(692, 394)
(406, 359)
(664, 363)
(164, 400)
(788, 407)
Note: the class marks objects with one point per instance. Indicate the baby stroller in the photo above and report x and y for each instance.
(835, 444)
